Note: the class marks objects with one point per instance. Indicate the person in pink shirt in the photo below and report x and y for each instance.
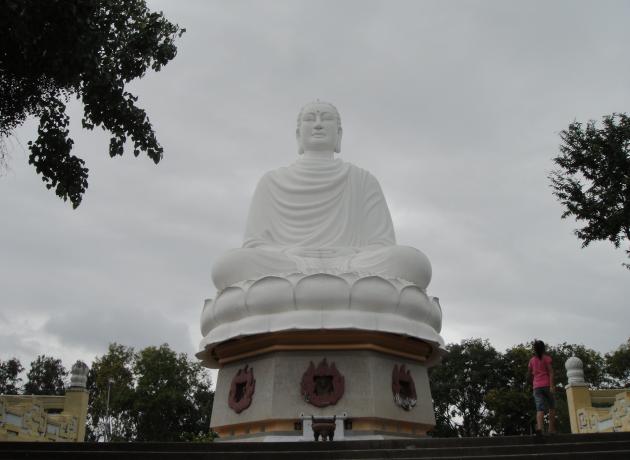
(542, 380)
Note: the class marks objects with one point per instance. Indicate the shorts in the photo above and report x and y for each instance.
(544, 399)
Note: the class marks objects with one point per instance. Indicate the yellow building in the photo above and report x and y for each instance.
(47, 418)
(595, 411)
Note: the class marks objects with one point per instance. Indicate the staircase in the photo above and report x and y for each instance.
(567, 446)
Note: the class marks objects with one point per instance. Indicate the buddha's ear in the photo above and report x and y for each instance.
(297, 138)
(338, 146)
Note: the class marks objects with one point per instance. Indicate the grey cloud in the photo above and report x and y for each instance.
(455, 107)
(133, 326)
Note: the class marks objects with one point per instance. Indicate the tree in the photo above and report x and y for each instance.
(511, 411)
(173, 398)
(512, 406)
(478, 391)
(10, 376)
(593, 179)
(460, 385)
(46, 377)
(594, 364)
(53, 49)
(113, 372)
(618, 365)
(156, 395)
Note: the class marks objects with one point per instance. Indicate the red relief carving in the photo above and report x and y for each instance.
(242, 390)
(322, 385)
(403, 387)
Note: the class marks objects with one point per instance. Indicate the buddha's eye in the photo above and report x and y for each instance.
(309, 117)
(328, 117)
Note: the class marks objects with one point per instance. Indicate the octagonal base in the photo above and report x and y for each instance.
(367, 409)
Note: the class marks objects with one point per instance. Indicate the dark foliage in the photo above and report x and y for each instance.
(172, 400)
(593, 179)
(479, 391)
(53, 49)
(112, 371)
(460, 385)
(594, 364)
(155, 395)
(10, 376)
(510, 409)
(618, 365)
(46, 377)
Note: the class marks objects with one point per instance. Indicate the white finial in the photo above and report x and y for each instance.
(575, 371)
(78, 378)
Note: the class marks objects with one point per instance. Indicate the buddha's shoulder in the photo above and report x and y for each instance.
(361, 173)
(275, 177)
(275, 173)
(358, 169)
(338, 169)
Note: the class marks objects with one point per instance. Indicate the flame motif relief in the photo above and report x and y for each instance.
(242, 389)
(403, 388)
(322, 385)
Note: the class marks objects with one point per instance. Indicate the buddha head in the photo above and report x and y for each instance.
(319, 128)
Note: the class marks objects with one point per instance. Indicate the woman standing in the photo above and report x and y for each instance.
(542, 373)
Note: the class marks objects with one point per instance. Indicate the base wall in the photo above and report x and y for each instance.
(367, 403)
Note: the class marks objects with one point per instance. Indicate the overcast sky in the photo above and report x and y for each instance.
(455, 107)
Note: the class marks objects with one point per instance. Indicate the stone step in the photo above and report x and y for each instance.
(40, 455)
(338, 445)
(592, 446)
(603, 455)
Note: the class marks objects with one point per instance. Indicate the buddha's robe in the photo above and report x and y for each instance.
(320, 216)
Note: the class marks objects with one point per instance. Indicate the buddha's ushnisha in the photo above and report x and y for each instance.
(320, 215)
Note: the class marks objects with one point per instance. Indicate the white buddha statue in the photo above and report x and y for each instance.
(320, 215)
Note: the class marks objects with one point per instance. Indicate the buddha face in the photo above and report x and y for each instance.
(319, 128)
